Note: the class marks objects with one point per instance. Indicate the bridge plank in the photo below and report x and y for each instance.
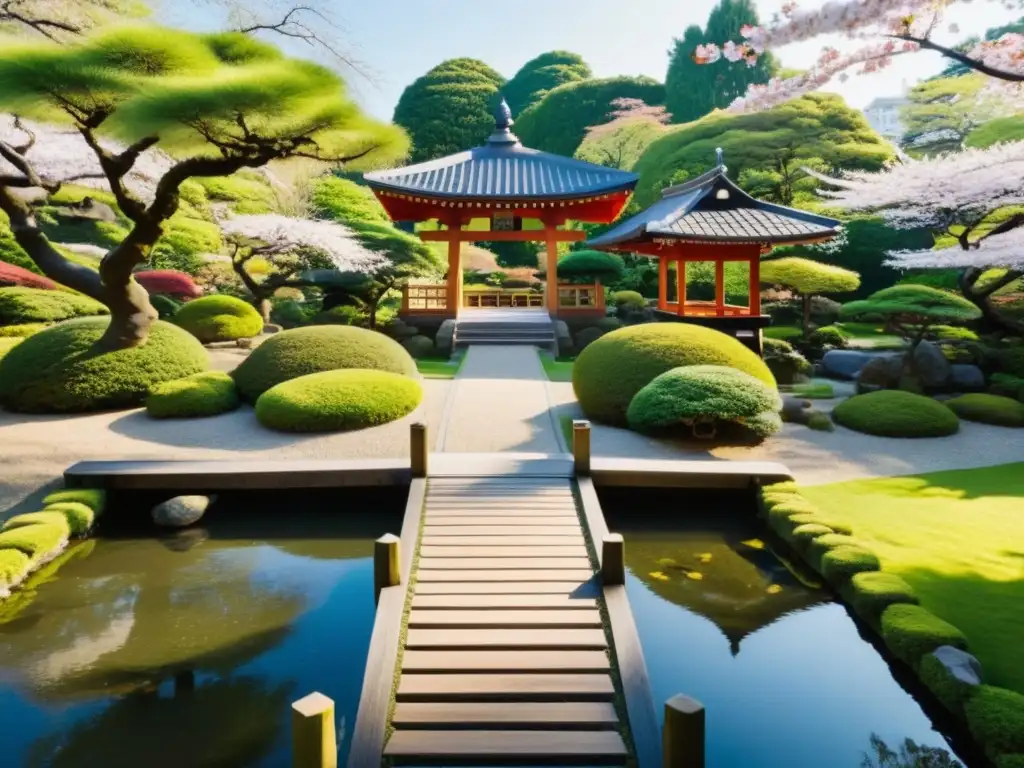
(499, 602)
(544, 549)
(521, 745)
(511, 587)
(505, 661)
(436, 687)
(506, 618)
(595, 714)
(505, 564)
(558, 519)
(513, 639)
(450, 533)
(579, 575)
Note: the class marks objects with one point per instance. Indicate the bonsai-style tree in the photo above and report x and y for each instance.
(291, 248)
(589, 266)
(808, 279)
(214, 103)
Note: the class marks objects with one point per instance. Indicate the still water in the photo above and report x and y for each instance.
(188, 651)
(785, 677)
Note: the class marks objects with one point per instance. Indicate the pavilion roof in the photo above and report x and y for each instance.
(501, 169)
(713, 209)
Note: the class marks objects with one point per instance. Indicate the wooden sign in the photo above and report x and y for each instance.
(505, 222)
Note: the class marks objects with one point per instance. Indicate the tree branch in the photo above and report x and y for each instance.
(967, 61)
(116, 167)
(41, 26)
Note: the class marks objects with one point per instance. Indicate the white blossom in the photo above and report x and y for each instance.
(282, 234)
(1003, 250)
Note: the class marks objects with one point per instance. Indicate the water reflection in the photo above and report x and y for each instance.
(187, 650)
(785, 677)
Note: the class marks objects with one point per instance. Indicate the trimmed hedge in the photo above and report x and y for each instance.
(988, 409)
(302, 351)
(809, 518)
(418, 346)
(995, 717)
(947, 689)
(14, 566)
(48, 517)
(840, 564)
(165, 306)
(339, 400)
(610, 372)
(628, 299)
(59, 371)
(894, 413)
(94, 498)
(910, 632)
(79, 516)
(34, 305)
(22, 331)
(816, 548)
(802, 536)
(872, 592)
(219, 318)
(202, 394)
(37, 541)
(13, 275)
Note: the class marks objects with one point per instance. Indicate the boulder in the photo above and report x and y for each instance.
(564, 338)
(960, 664)
(966, 378)
(788, 367)
(87, 209)
(181, 511)
(880, 373)
(844, 363)
(272, 328)
(443, 339)
(793, 409)
(931, 368)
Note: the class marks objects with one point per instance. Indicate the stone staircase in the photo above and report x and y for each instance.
(503, 327)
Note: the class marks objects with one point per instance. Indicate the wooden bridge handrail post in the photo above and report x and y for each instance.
(613, 559)
(683, 735)
(581, 446)
(386, 564)
(418, 449)
(314, 740)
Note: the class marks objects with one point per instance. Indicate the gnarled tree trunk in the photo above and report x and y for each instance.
(980, 297)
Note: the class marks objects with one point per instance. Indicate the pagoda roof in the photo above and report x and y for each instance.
(501, 169)
(713, 209)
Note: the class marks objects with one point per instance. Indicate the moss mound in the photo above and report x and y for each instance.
(988, 409)
(806, 519)
(219, 318)
(947, 689)
(816, 548)
(840, 564)
(20, 306)
(610, 372)
(802, 536)
(337, 401)
(59, 371)
(202, 394)
(14, 566)
(872, 592)
(165, 306)
(894, 413)
(705, 399)
(910, 632)
(39, 518)
(21, 331)
(38, 541)
(79, 516)
(996, 719)
(94, 498)
(302, 351)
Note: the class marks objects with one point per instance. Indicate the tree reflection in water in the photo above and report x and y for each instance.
(910, 755)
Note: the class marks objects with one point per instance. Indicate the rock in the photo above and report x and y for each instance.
(966, 377)
(793, 410)
(960, 664)
(845, 363)
(87, 209)
(931, 367)
(272, 328)
(181, 511)
(880, 373)
(564, 338)
(787, 367)
(444, 337)
(244, 343)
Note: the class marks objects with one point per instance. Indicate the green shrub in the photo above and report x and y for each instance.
(342, 314)
(988, 409)
(953, 333)
(37, 541)
(910, 632)
(6, 345)
(185, 243)
(894, 413)
(201, 394)
(1004, 384)
(629, 299)
(608, 324)
(1010, 761)
(702, 395)
(817, 547)
(821, 422)
(59, 370)
(787, 505)
(872, 592)
(829, 336)
(288, 313)
(21, 331)
(610, 372)
(840, 564)
(33, 305)
(247, 192)
(786, 364)
(164, 305)
(94, 498)
(47, 517)
(418, 346)
(996, 719)
(1011, 361)
(784, 486)
(219, 318)
(14, 566)
(802, 535)
(947, 689)
(815, 390)
(79, 516)
(302, 351)
(338, 400)
(805, 518)
(345, 201)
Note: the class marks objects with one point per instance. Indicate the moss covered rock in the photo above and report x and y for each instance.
(302, 351)
(14, 567)
(338, 400)
(94, 498)
(894, 413)
(840, 564)
(947, 689)
(34, 305)
(39, 541)
(910, 632)
(39, 518)
(79, 516)
(802, 535)
(996, 719)
(988, 409)
(610, 372)
(816, 548)
(219, 318)
(59, 370)
(872, 592)
(202, 394)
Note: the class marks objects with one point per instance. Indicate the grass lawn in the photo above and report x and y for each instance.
(782, 332)
(438, 368)
(816, 389)
(957, 538)
(557, 369)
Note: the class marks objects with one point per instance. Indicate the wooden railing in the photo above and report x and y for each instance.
(707, 309)
(582, 297)
(428, 299)
(425, 298)
(521, 298)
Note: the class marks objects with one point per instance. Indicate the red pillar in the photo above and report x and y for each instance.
(662, 282)
(755, 285)
(719, 288)
(681, 285)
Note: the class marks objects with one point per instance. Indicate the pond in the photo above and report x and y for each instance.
(188, 650)
(786, 678)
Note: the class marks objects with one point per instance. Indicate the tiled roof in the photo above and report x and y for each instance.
(740, 224)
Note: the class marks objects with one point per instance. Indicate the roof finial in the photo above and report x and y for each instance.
(719, 156)
(503, 116)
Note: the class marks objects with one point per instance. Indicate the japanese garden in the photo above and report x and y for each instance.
(520, 413)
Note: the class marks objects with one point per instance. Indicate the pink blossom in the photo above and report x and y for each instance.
(1003, 250)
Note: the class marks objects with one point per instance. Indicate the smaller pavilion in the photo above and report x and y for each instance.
(711, 219)
(512, 187)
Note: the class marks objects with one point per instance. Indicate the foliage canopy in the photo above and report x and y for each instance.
(539, 75)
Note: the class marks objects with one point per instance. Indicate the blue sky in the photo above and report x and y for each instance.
(396, 41)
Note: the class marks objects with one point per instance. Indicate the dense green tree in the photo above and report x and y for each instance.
(558, 122)
(345, 201)
(450, 108)
(693, 90)
(942, 113)
(808, 279)
(620, 142)
(819, 125)
(540, 75)
(785, 181)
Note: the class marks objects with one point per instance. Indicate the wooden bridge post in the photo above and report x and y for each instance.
(418, 449)
(683, 736)
(314, 743)
(581, 446)
(613, 559)
(386, 566)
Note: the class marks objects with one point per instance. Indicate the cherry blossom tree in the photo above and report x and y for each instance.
(291, 247)
(631, 127)
(888, 27)
(965, 197)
